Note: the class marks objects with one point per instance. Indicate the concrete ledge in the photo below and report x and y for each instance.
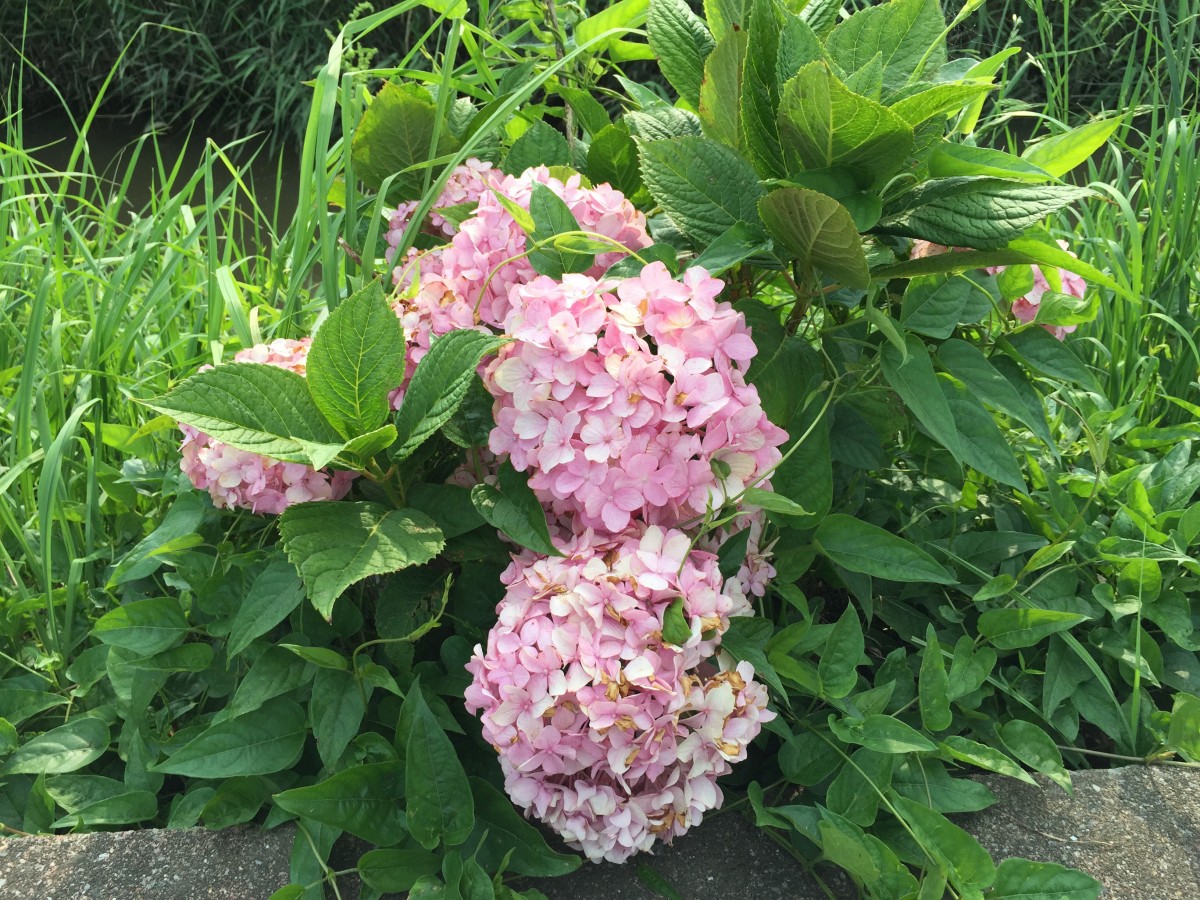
(1136, 829)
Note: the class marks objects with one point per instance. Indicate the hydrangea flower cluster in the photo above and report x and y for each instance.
(239, 479)
(1024, 309)
(464, 186)
(606, 732)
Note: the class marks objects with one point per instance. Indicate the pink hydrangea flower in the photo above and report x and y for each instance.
(466, 184)
(239, 479)
(606, 732)
(628, 402)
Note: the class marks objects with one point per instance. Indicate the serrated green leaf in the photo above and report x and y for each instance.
(760, 89)
(681, 42)
(721, 90)
(356, 358)
(396, 131)
(363, 800)
(817, 231)
(267, 740)
(335, 544)
(438, 386)
(539, 145)
(901, 31)
(704, 187)
(613, 159)
(662, 123)
(260, 408)
(822, 124)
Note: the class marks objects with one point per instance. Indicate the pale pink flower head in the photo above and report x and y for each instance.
(466, 184)
(239, 479)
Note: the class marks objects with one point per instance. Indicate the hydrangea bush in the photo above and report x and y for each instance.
(652, 447)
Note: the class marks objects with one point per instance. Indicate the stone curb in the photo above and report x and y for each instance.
(1135, 829)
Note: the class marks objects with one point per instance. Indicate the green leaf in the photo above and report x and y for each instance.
(862, 547)
(822, 124)
(503, 831)
(363, 800)
(335, 544)
(704, 187)
(675, 629)
(934, 305)
(513, 508)
(854, 793)
(260, 408)
(1022, 879)
(1056, 308)
(967, 862)
(67, 748)
(323, 657)
(336, 708)
(588, 111)
(662, 123)
(798, 46)
(884, 734)
(721, 91)
(623, 14)
(681, 42)
(276, 672)
(739, 243)
(902, 31)
(1061, 153)
(760, 89)
(941, 99)
(551, 216)
(985, 757)
(949, 160)
(968, 364)
(818, 232)
(397, 131)
(539, 145)
(613, 159)
(927, 781)
(838, 665)
(1184, 732)
(267, 740)
(143, 626)
(1032, 746)
(934, 685)
(726, 17)
(773, 502)
(356, 358)
(914, 380)
(976, 212)
(274, 593)
(439, 800)
(449, 505)
(1011, 629)
(981, 443)
(123, 808)
(395, 871)
(19, 704)
(438, 386)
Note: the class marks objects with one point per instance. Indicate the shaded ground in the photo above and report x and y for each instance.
(1135, 829)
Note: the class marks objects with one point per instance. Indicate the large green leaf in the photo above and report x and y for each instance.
(705, 187)
(822, 124)
(143, 626)
(917, 384)
(336, 709)
(978, 212)
(681, 41)
(933, 691)
(260, 408)
(336, 544)
(395, 871)
(981, 444)
(363, 800)
(513, 508)
(1011, 629)
(885, 734)
(502, 830)
(935, 304)
(1061, 153)
(841, 656)
(966, 861)
(968, 364)
(950, 159)
(397, 131)
(818, 232)
(727, 17)
(438, 386)
(440, 804)
(1023, 879)
(267, 740)
(902, 32)
(551, 216)
(721, 90)
(539, 145)
(862, 547)
(274, 593)
(1042, 353)
(941, 99)
(67, 748)
(613, 158)
(760, 90)
(356, 358)
(1034, 747)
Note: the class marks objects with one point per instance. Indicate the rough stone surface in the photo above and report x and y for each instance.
(192, 864)
(1137, 830)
